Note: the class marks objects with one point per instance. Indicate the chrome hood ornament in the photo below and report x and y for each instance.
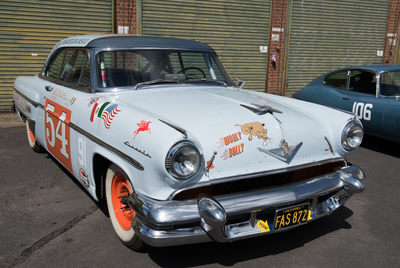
(285, 153)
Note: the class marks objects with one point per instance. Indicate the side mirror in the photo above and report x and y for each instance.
(240, 82)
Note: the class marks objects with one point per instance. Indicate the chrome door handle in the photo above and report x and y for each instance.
(49, 88)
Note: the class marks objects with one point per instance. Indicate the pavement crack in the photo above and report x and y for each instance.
(27, 252)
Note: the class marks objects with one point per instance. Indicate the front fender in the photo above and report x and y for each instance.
(148, 146)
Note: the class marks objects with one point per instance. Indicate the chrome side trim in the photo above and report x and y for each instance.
(129, 159)
(253, 175)
(34, 103)
(114, 150)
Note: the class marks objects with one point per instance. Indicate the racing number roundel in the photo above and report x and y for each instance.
(57, 132)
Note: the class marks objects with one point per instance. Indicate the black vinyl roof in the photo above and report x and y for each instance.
(147, 42)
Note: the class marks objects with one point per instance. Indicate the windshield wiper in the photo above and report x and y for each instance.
(154, 82)
(223, 83)
(162, 81)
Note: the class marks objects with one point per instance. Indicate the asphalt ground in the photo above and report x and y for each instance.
(47, 220)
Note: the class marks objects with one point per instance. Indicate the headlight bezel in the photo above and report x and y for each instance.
(351, 128)
(169, 160)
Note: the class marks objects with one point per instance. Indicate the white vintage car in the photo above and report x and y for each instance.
(181, 155)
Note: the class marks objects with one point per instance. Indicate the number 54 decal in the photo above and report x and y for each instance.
(57, 130)
(363, 111)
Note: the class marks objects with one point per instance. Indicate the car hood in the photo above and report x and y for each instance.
(221, 122)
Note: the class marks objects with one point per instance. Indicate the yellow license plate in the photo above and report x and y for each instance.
(291, 216)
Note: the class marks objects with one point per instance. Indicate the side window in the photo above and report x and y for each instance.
(73, 65)
(338, 80)
(85, 75)
(53, 71)
(363, 82)
(214, 67)
(390, 83)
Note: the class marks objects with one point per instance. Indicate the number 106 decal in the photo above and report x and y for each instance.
(57, 130)
(363, 111)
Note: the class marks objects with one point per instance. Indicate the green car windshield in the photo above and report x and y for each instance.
(390, 83)
(131, 68)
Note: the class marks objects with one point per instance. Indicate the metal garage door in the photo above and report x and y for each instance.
(325, 35)
(235, 29)
(29, 29)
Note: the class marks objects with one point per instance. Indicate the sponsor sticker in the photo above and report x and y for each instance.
(72, 101)
(263, 225)
(254, 129)
(232, 141)
(57, 130)
(106, 111)
(84, 177)
(109, 114)
(142, 127)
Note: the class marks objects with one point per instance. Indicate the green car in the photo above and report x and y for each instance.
(371, 92)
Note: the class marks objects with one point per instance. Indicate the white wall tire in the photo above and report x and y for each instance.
(35, 146)
(117, 184)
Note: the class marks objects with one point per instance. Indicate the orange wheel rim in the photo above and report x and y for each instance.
(31, 136)
(120, 188)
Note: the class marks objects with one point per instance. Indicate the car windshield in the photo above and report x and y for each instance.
(390, 83)
(139, 68)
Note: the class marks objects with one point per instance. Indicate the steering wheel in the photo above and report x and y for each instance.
(192, 68)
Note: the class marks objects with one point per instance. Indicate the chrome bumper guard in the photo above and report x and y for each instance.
(169, 223)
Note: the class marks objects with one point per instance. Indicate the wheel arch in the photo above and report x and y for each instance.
(100, 166)
(101, 163)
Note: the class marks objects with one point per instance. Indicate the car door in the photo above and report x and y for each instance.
(389, 92)
(361, 99)
(391, 128)
(66, 89)
(335, 85)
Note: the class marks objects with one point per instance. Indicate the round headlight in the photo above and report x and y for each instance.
(352, 136)
(183, 160)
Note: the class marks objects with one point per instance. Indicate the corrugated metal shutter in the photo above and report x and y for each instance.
(29, 29)
(325, 35)
(235, 29)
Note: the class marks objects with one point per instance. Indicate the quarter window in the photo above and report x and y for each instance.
(338, 80)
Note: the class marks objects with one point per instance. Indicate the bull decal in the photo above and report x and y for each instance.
(254, 129)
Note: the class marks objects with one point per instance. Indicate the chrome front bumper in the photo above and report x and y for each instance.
(234, 217)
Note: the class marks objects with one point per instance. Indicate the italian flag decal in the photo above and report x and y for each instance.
(97, 110)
